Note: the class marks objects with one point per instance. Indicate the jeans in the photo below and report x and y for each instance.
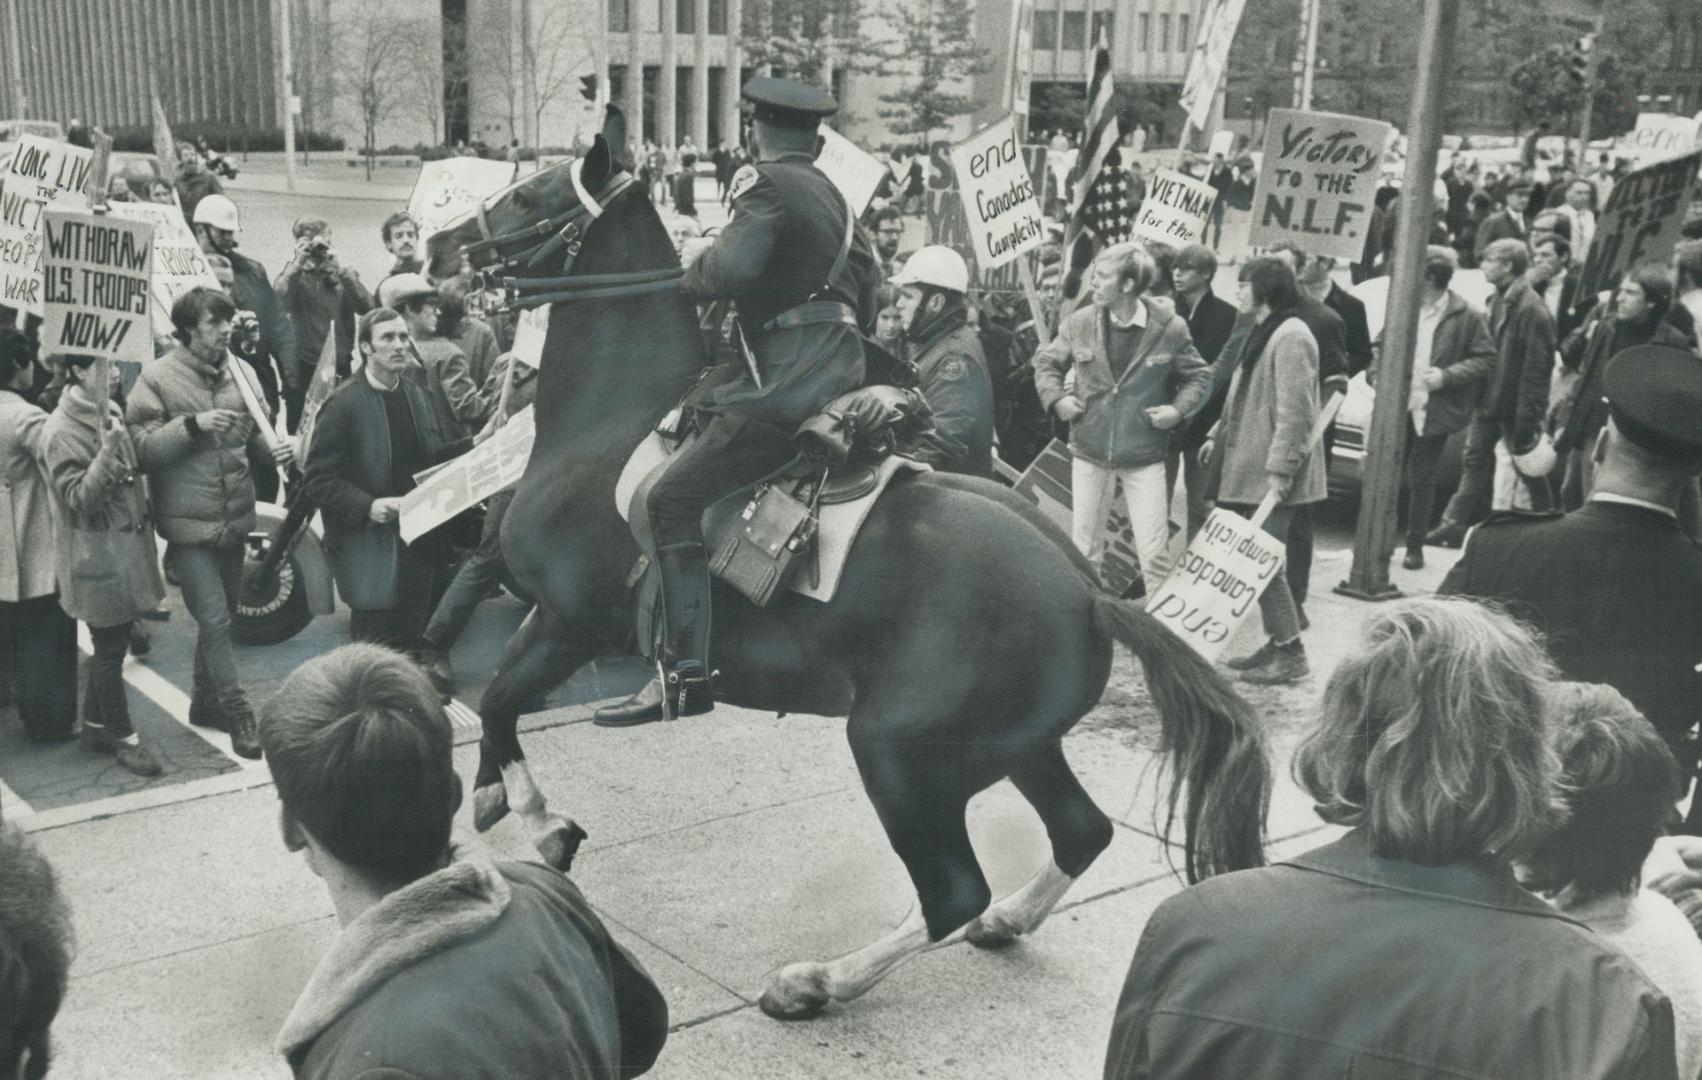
(211, 580)
(1424, 458)
(1297, 563)
(1149, 512)
(1276, 604)
(105, 705)
(481, 570)
(1515, 491)
(39, 654)
(1471, 501)
(1186, 463)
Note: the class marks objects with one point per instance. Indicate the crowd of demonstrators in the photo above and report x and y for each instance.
(442, 369)
(1437, 745)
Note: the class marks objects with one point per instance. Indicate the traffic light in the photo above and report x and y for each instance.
(1578, 61)
(588, 87)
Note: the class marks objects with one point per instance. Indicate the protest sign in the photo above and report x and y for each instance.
(318, 390)
(96, 273)
(452, 188)
(529, 330)
(998, 194)
(1217, 582)
(1175, 209)
(179, 264)
(1316, 182)
(41, 173)
(1206, 62)
(1046, 483)
(1658, 136)
(470, 479)
(1222, 144)
(853, 171)
(1641, 221)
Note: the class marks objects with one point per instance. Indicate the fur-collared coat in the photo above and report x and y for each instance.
(478, 972)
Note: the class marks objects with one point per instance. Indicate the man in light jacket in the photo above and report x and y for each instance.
(192, 433)
(1137, 374)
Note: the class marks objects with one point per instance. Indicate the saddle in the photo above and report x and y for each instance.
(792, 531)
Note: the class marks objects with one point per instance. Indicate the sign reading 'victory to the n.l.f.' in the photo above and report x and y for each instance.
(1175, 209)
(1642, 221)
(1316, 182)
(998, 195)
(96, 275)
(41, 173)
(1217, 582)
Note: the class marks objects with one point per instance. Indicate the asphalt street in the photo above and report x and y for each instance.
(719, 849)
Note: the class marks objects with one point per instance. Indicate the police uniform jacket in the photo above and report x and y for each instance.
(1617, 588)
(775, 255)
(952, 373)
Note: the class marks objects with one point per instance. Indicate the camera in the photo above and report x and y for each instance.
(318, 248)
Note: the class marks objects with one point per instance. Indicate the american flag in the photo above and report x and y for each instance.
(1100, 204)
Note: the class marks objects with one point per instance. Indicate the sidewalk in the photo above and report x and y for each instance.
(326, 182)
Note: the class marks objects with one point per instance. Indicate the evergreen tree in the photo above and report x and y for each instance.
(935, 54)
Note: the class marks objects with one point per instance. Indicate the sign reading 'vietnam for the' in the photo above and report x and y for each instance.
(1217, 582)
(1175, 209)
(97, 273)
(1316, 182)
(998, 195)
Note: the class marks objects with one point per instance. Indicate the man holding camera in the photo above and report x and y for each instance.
(322, 296)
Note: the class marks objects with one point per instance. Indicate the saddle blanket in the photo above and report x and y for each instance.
(839, 521)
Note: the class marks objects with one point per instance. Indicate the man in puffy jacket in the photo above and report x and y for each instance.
(950, 365)
(192, 432)
(1137, 374)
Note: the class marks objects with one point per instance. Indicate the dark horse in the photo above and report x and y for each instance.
(966, 638)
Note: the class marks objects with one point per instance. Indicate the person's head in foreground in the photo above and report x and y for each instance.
(434, 942)
(1405, 947)
(35, 955)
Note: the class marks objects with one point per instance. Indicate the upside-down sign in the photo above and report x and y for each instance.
(998, 195)
(1217, 582)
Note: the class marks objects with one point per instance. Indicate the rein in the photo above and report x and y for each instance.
(564, 234)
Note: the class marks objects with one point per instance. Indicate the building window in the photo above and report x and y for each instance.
(685, 17)
(1075, 31)
(1382, 51)
(1045, 29)
(618, 22)
(1164, 33)
(717, 16)
(1102, 24)
(1184, 40)
(1146, 32)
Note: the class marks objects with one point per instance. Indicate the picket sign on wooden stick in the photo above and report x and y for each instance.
(1025, 274)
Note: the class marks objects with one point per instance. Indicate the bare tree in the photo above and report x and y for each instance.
(555, 52)
(501, 65)
(375, 52)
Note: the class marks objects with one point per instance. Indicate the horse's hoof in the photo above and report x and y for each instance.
(798, 992)
(490, 805)
(559, 842)
(992, 932)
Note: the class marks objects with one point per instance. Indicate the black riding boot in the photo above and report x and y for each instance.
(685, 649)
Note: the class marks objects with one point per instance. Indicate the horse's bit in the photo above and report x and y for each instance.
(564, 233)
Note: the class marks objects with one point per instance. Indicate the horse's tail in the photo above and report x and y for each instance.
(1212, 738)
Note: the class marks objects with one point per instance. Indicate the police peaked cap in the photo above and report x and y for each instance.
(1655, 395)
(788, 102)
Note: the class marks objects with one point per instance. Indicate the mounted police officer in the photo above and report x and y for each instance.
(803, 278)
(951, 367)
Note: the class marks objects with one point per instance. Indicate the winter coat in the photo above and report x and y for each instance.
(318, 303)
(1267, 422)
(952, 375)
(446, 376)
(480, 972)
(251, 290)
(1166, 370)
(479, 345)
(26, 507)
(202, 489)
(349, 465)
(1463, 352)
(106, 563)
(1342, 963)
(1211, 324)
(1517, 394)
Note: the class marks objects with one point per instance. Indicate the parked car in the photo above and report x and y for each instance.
(1353, 422)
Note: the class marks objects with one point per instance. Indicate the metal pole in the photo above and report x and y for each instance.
(1590, 90)
(1374, 541)
(287, 67)
(1309, 62)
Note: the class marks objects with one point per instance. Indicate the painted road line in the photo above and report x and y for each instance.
(13, 807)
(147, 798)
(171, 700)
(462, 715)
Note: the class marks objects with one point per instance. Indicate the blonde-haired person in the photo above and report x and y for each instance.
(1406, 946)
(1137, 376)
(1621, 783)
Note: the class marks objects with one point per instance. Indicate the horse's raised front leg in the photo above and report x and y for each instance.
(542, 653)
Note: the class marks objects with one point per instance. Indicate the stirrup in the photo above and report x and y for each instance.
(688, 695)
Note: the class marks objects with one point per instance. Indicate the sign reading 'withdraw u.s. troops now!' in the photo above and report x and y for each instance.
(97, 273)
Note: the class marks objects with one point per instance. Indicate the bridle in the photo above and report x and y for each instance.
(564, 234)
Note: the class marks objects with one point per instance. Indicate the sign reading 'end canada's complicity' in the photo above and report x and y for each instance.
(998, 195)
(96, 275)
(1316, 182)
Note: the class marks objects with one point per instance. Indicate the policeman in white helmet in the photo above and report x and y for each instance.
(951, 366)
(216, 223)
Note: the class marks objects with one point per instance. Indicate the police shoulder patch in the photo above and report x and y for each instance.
(953, 368)
(743, 181)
